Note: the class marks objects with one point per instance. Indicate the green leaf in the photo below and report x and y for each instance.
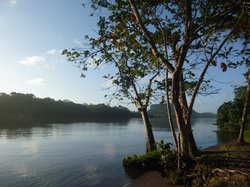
(64, 52)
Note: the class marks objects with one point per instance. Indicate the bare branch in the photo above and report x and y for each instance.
(204, 72)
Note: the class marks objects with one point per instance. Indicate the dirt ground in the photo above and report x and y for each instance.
(150, 179)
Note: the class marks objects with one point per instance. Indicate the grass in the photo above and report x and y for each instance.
(247, 136)
(233, 147)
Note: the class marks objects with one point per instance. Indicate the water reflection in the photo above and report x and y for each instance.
(15, 128)
(86, 154)
(15, 132)
(203, 129)
(161, 124)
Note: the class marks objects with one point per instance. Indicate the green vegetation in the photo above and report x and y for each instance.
(160, 159)
(229, 113)
(28, 107)
(247, 136)
(150, 160)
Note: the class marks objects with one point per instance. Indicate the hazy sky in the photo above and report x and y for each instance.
(32, 35)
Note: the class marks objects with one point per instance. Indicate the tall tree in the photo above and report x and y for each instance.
(147, 38)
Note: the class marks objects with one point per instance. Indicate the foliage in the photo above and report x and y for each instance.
(139, 58)
(163, 157)
(247, 136)
(168, 158)
(144, 40)
(229, 113)
(27, 106)
(150, 160)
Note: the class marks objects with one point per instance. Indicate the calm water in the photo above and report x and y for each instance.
(80, 154)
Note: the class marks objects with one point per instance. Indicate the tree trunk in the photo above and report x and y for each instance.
(245, 112)
(169, 111)
(184, 137)
(192, 144)
(187, 117)
(150, 141)
(177, 103)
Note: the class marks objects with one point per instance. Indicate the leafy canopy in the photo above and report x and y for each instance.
(168, 35)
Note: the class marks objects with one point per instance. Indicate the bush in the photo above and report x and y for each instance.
(162, 158)
(149, 160)
(168, 159)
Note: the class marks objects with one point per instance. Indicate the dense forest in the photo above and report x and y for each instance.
(28, 106)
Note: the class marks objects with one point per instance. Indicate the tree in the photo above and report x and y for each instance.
(227, 117)
(245, 111)
(230, 114)
(243, 22)
(134, 79)
(144, 39)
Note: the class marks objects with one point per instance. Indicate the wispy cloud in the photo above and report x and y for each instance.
(54, 52)
(38, 81)
(33, 60)
(12, 2)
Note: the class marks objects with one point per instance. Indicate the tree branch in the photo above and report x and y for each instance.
(149, 37)
(197, 87)
(150, 89)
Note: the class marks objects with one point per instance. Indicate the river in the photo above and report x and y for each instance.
(86, 154)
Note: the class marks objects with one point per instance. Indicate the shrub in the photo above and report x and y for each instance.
(162, 158)
(149, 160)
(168, 158)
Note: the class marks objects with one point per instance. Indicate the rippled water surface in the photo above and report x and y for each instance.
(80, 154)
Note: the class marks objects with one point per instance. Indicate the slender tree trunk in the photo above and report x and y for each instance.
(150, 141)
(184, 140)
(245, 112)
(192, 144)
(169, 111)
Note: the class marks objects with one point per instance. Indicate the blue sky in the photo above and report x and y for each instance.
(32, 35)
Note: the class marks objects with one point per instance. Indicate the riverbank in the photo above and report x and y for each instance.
(151, 179)
(223, 162)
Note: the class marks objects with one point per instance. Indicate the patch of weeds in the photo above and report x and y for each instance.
(162, 158)
(149, 160)
(168, 158)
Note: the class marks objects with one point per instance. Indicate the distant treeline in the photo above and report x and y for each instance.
(160, 111)
(28, 106)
